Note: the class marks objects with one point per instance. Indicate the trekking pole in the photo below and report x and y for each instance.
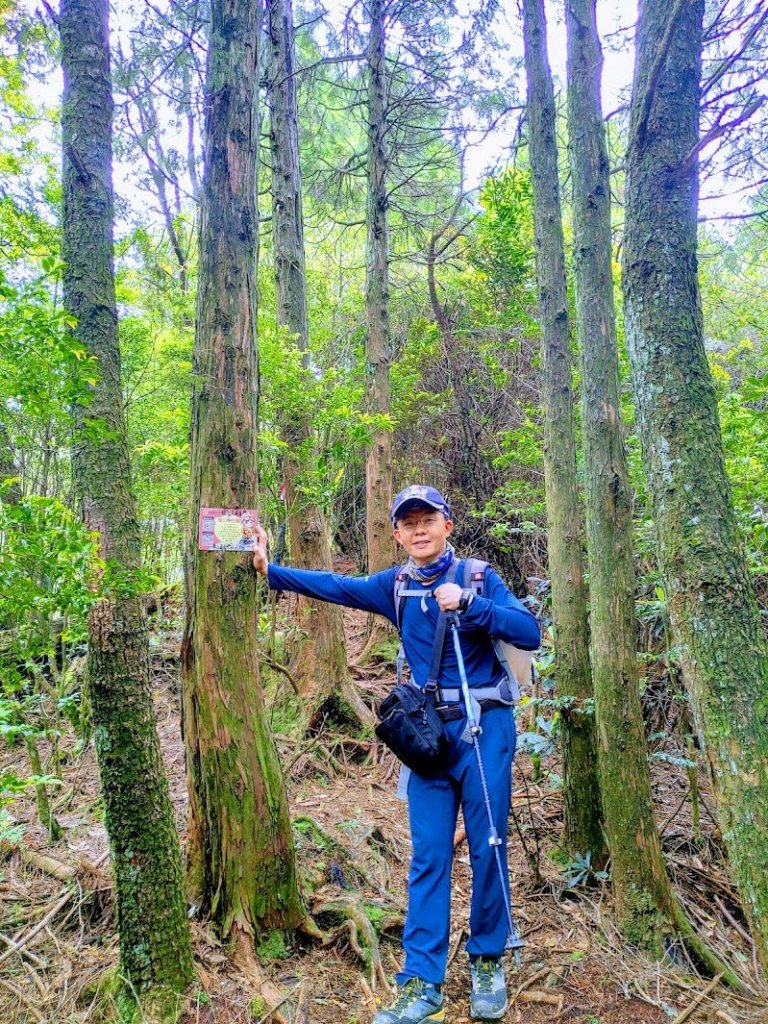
(514, 941)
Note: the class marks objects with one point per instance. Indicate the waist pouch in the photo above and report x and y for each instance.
(409, 724)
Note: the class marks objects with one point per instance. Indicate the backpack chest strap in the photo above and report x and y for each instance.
(402, 591)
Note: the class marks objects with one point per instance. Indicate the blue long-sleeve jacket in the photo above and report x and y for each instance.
(498, 613)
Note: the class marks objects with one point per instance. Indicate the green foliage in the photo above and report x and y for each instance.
(44, 369)
(743, 412)
(156, 337)
(49, 569)
(580, 871)
(49, 577)
(733, 280)
(503, 247)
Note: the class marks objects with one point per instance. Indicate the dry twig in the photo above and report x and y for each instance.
(23, 999)
(686, 1013)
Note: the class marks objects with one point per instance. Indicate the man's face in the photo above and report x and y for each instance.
(423, 533)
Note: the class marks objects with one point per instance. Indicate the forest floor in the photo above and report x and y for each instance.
(353, 846)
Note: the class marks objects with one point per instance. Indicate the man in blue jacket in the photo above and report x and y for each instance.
(422, 524)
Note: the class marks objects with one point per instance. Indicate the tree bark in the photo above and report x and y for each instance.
(712, 605)
(643, 895)
(320, 663)
(581, 791)
(646, 906)
(378, 345)
(241, 858)
(155, 951)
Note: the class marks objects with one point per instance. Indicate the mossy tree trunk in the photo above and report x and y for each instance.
(155, 951)
(581, 791)
(378, 344)
(712, 606)
(646, 907)
(320, 662)
(241, 861)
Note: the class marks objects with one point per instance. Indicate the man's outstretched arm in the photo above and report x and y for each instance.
(367, 593)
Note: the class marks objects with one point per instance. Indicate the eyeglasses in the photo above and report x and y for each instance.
(413, 524)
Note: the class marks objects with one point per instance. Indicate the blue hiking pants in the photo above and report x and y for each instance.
(433, 806)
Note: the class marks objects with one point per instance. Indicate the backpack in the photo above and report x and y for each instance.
(517, 664)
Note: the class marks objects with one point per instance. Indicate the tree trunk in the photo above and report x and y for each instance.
(10, 493)
(378, 346)
(380, 546)
(44, 811)
(712, 604)
(645, 904)
(581, 791)
(320, 663)
(240, 848)
(155, 950)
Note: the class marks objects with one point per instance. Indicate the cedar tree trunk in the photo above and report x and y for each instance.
(581, 791)
(712, 606)
(155, 950)
(378, 346)
(240, 848)
(320, 664)
(645, 903)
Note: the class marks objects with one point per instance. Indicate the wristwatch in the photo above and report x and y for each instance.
(466, 597)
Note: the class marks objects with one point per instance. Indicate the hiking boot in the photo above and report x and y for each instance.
(488, 1000)
(417, 1002)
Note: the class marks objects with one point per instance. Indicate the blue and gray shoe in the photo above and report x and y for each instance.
(488, 1000)
(417, 1002)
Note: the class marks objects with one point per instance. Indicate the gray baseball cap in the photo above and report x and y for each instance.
(415, 495)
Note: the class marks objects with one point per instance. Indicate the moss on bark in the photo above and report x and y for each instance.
(581, 792)
(241, 863)
(713, 611)
(644, 898)
(155, 951)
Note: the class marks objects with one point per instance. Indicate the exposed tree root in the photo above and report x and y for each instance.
(86, 872)
(271, 663)
(377, 633)
(545, 998)
(246, 960)
(361, 934)
(703, 952)
(309, 927)
(363, 713)
(345, 710)
(344, 869)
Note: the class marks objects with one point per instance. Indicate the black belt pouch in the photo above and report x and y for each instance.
(412, 729)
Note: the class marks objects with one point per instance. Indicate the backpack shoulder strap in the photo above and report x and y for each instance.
(402, 579)
(506, 654)
(439, 641)
(474, 575)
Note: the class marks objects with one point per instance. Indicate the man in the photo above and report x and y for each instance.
(421, 519)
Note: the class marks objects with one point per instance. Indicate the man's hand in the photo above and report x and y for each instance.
(448, 597)
(260, 561)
